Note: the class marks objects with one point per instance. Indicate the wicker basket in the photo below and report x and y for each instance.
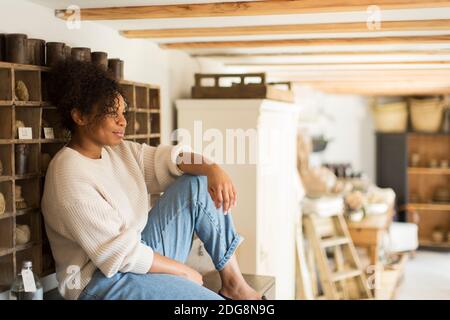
(392, 117)
(426, 114)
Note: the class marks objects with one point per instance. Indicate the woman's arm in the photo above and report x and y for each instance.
(220, 186)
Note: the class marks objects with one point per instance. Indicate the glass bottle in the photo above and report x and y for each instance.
(17, 291)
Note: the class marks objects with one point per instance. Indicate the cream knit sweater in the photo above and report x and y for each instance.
(95, 210)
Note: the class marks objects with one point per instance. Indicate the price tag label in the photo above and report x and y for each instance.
(48, 133)
(28, 281)
(25, 133)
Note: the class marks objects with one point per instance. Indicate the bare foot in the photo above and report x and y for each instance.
(240, 292)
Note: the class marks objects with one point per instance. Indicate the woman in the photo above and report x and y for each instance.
(105, 243)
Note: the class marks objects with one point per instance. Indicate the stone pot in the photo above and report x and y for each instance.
(55, 53)
(36, 52)
(81, 54)
(16, 48)
(115, 68)
(100, 59)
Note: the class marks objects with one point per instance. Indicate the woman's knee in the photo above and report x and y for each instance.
(197, 184)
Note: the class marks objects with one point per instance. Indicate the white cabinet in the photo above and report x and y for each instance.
(262, 136)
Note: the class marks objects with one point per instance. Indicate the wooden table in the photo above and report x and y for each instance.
(369, 233)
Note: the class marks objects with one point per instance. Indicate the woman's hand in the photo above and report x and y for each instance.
(191, 274)
(162, 264)
(221, 188)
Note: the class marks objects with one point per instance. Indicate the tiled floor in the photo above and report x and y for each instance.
(427, 276)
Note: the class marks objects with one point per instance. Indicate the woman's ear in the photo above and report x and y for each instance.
(77, 117)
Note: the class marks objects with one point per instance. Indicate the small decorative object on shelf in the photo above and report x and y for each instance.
(415, 160)
(22, 93)
(441, 195)
(2, 204)
(22, 152)
(45, 161)
(18, 124)
(23, 234)
(16, 48)
(20, 201)
(433, 163)
(446, 122)
(137, 126)
(444, 164)
(437, 235)
(27, 285)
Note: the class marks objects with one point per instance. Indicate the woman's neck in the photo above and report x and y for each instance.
(85, 146)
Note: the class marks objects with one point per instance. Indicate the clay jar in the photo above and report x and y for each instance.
(81, 54)
(16, 48)
(36, 52)
(100, 59)
(115, 68)
(55, 53)
(2, 47)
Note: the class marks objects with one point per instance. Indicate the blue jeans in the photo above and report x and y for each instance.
(185, 207)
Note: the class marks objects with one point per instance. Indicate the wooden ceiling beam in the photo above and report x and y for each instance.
(242, 8)
(379, 41)
(414, 25)
(391, 88)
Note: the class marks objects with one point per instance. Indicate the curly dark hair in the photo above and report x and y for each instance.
(84, 86)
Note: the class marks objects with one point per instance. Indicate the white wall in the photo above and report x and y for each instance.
(350, 126)
(144, 60)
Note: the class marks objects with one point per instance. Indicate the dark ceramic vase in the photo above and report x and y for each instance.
(100, 59)
(115, 68)
(55, 53)
(81, 54)
(16, 48)
(36, 52)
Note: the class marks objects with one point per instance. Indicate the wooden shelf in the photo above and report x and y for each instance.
(34, 113)
(6, 215)
(21, 212)
(6, 251)
(26, 141)
(428, 206)
(429, 243)
(6, 178)
(419, 170)
(27, 176)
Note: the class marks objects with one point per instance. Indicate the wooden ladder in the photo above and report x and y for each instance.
(346, 280)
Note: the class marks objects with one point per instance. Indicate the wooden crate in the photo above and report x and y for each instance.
(241, 89)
